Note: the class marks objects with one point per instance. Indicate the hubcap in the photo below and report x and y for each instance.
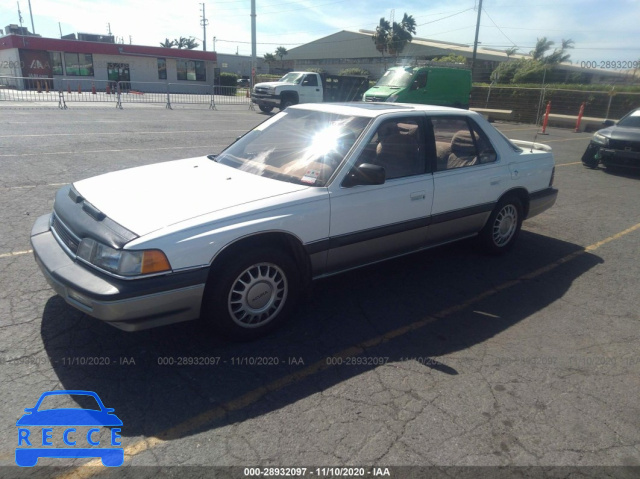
(257, 295)
(505, 225)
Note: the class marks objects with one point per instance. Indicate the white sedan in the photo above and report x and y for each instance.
(313, 191)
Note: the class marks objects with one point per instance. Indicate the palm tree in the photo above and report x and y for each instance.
(392, 38)
(381, 38)
(281, 52)
(191, 43)
(269, 58)
(167, 43)
(511, 51)
(542, 46)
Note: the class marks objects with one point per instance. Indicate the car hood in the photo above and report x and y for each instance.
(382, 91)
(148, 198)
(621, 133)
(273, 84)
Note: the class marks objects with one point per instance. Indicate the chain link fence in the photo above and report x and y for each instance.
(527, 105)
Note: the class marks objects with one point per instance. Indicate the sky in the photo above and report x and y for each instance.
(602, 30)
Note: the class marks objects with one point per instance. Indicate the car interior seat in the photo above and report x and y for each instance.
(398, 150)
(463, 150)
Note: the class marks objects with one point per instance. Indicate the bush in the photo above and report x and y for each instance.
(229, 82)
(355, 71)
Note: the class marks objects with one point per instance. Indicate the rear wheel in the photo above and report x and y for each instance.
(503, 227)
(251, 294)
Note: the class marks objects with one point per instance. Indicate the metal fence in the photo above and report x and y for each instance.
(82, 90)
(528, 105)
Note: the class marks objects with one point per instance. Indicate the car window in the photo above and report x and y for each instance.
(298, 146)
(398, 146)
(310, 80)
(460, 143)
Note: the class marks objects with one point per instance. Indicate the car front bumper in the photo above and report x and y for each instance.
(612, 157)
(266, 100)
(130, 305)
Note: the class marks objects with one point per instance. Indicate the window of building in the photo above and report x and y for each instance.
(79, 64)
(191, 70)
(56, 63)
(162, 69)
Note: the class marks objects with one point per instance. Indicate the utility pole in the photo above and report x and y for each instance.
(33, 28)
(204, 22)
(253, 41)
(20, 17)
(475, 43)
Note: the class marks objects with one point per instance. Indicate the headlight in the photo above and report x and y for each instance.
(122, 262)
(600, 139)
(392, 98)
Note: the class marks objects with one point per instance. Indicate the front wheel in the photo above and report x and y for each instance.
(503, 226)
(251, 294)
(265, 109)
(286, 103)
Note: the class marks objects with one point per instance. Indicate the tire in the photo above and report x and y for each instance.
(503, 226)
(250, 294)
(286, 102)
(589, 159)
(265, 109)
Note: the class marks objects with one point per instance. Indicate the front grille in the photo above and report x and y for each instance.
(261, 91)
(625, 145)
(65, 237)
(376, 98)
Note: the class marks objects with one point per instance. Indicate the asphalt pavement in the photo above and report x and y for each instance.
(444, 360)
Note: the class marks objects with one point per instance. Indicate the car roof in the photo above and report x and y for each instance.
(375, 109)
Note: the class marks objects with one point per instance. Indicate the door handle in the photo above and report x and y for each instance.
(418, 195)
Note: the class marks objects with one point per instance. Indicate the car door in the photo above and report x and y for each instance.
(468, 178)
(373, 222)
(310, 90)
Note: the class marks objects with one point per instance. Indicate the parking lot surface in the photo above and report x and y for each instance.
(442, 358)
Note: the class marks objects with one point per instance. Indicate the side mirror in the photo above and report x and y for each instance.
(365, 174)
(608, 123)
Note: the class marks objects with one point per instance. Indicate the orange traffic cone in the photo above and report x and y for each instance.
(108, 89)
(93, 88)
(79, 89)
(46, 86)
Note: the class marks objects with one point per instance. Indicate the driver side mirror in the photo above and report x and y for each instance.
(608, 123)
(365, 174)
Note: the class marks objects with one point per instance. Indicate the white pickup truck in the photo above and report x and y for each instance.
(308, 87)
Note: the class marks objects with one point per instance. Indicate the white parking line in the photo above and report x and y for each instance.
(118, 133)
(112, 151)
(29, 186)
(16, 253)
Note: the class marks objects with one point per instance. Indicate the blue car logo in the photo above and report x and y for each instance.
(32, 446)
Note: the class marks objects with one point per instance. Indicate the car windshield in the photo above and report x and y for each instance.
(292, 77)
(396, 78)
(298, 146)
(631, 121)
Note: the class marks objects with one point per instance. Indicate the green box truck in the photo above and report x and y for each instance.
(426, 85)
